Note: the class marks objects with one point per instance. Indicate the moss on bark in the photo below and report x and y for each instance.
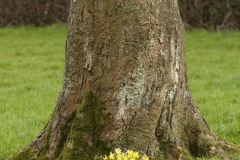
(42, 153)
(64, 132)
(23, 155)
(84, 139)
(80, 135)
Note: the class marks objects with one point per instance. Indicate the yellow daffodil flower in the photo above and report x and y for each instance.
(105, 158)
(118, 151)
(135, 155)
(111, 156)
(130, 153)
(145, 158)
(125, 158)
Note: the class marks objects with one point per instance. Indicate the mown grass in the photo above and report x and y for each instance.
(212, 60)
(214, 78)
(31, 67)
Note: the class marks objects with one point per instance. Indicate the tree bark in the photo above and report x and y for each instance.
(125, 86)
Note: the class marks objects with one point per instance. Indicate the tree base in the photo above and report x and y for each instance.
(90, 122)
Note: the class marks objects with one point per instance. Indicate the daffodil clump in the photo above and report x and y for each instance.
(128, 155)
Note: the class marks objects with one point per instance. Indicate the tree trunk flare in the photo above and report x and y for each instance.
(125, 86)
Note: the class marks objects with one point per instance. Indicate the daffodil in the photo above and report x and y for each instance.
(145, 158)
(118, 157)
(118, 151)
(130, 153)
(135, 155)
(125, 158)
(111, 156)
(105, 158)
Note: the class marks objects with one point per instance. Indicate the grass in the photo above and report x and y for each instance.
(214, 79)
(212, 60)
(31, 68)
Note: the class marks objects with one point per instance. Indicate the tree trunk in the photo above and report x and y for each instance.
(125, 86)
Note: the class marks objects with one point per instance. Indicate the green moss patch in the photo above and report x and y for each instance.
(23, 155)
(84, 139)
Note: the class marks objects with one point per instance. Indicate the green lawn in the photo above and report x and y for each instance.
(213, 64)
(31, 68)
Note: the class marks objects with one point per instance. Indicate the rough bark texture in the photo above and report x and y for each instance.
(125, 86)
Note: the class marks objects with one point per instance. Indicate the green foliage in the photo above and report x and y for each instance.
(31, 67)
